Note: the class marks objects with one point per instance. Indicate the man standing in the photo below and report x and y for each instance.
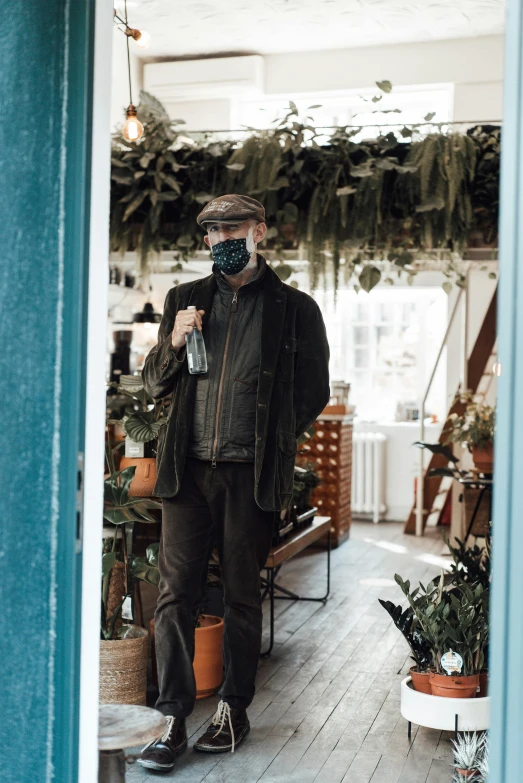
(226, 458)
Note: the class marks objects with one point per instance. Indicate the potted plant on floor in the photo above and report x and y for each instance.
(142, 420)
(475, 429)
(455, 624)
(123, 645)
(469, 749)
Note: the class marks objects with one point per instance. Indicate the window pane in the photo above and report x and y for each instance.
(360, 335)
(361, 358)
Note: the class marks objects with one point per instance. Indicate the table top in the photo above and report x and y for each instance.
(297, 542)
(126, 725)
(483, 482)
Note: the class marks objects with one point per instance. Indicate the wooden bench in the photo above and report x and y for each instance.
(284, 551)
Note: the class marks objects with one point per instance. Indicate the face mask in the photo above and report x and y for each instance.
(233, 255)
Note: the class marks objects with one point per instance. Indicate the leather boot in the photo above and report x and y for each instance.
(161, 754)
(228, 728)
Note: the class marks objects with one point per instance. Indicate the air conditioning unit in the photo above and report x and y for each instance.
(219, 77)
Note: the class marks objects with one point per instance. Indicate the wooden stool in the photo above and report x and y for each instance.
(124, 726)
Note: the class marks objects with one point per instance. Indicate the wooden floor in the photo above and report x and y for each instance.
(327, 702)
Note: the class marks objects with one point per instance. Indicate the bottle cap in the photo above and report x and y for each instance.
(191, 307)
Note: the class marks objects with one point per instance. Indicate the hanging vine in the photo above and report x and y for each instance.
(364, 204)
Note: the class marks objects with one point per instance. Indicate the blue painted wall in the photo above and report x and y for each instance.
(45, 100)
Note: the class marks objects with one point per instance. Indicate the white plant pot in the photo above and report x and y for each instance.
(438, 712)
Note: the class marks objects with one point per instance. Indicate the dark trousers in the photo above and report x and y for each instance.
(215, 506)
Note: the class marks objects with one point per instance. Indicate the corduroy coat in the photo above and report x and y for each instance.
(293, 385)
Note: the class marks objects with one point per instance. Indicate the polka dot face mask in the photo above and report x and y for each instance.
(233, 255)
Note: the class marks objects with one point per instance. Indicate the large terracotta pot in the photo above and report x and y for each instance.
(484, 458)
(208, 656)
(483, 684)
(144, 479)
(454, 686)
(420, 681)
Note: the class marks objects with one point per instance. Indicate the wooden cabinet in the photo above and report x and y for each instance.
(330, 450)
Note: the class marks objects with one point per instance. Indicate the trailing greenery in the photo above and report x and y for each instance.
(384, 204)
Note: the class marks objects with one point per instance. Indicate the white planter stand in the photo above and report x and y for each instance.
(438, 712)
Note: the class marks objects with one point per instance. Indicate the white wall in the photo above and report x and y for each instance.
(473, 65)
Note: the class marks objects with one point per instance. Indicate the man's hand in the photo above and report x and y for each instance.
(185, 322)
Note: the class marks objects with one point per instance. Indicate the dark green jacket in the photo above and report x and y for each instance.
(293, 385)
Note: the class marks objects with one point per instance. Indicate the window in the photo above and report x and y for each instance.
(385, 345)
(352, 107)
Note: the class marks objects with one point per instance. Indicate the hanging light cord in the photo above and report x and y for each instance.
(128, 56)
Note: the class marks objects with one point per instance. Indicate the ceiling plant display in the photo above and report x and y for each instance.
(369, 210)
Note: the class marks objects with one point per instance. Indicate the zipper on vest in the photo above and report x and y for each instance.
(234, 308)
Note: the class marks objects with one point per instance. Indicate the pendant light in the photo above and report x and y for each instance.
(132, 129)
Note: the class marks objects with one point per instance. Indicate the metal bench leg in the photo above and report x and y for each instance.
(111, 766)
(270, 586)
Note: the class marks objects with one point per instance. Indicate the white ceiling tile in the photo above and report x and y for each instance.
(273, 26)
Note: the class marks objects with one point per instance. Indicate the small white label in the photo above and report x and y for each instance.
(127, 608)
(452, 662)
(190, 361)
(133, 449)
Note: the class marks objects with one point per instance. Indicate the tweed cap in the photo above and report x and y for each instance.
(232, 208)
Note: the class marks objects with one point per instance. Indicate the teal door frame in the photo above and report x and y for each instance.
(46, 93)
(506, 649)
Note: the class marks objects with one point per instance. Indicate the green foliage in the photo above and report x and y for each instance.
(142, 417)
(119, 506)
(407, 624)
(383, 199)
(146, 568)
(454, 619)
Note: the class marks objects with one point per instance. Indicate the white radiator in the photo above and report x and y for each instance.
(368, 474)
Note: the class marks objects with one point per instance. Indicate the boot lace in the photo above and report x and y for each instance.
(223, 714)
(169, 720)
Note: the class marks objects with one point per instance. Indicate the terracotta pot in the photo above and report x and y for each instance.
(420, 681)
(454, 686)
(484, 458)
(483, 684)
(466, 773)
(144, 479)
(208, 657)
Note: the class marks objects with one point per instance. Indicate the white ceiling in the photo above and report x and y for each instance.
(199, 27)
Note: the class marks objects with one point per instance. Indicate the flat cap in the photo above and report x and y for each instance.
(231, 209)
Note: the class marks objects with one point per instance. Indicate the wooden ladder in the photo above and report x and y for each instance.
(477, 364)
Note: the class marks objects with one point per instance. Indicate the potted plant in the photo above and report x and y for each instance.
(475, 429)
(141, 418)
(468, 753)
(407, 623)
(123, 645)
(454, 620)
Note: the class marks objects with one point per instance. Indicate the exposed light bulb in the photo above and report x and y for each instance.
(496, 368)
(132, 129)
(143, 38)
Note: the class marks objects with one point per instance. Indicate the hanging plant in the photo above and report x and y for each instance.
(382, 205)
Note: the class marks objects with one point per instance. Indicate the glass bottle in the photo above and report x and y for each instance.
(196, 355)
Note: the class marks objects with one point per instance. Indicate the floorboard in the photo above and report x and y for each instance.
(326, 708)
